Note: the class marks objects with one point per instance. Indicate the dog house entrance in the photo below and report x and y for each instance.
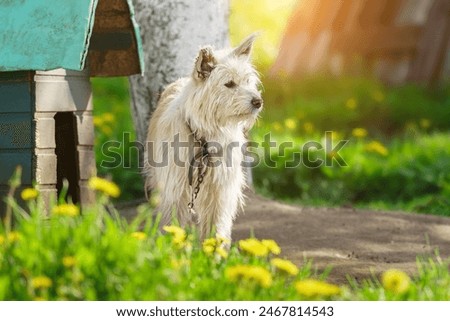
(66, 155)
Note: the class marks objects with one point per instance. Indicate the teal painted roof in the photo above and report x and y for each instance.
(44, 34)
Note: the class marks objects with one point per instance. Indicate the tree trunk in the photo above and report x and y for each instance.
(172, 32)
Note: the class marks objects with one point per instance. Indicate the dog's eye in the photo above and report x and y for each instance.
(230, 84)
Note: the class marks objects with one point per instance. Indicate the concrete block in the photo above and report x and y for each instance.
(85, 128)
(87, 196)
(45, 132)
(49, 194)
(45, 168)
(87, 166)
(59, 95)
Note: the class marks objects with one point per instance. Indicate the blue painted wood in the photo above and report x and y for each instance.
(16, 131)
(10, 160)
(45, 35)
(15, 97)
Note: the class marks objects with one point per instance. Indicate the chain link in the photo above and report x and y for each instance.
(202, 168)
(202, 172)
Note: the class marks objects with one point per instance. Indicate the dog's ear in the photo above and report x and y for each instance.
(204, 63)
(246, 46)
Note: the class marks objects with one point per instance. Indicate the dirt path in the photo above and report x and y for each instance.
(354, 242)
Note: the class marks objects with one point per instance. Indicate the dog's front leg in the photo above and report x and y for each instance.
(225, 217)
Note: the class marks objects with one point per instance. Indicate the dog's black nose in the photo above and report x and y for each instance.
(257, 102)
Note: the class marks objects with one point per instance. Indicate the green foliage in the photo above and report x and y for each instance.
(62, 255)
(112, 120)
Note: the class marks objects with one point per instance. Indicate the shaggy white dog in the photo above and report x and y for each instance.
(196, 139)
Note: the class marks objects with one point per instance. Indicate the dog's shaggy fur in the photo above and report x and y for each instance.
(218, 103)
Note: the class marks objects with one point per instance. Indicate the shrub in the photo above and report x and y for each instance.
(408, 173)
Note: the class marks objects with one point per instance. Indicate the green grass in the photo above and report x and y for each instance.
(413, 176)
(100, 256)
(113, 120)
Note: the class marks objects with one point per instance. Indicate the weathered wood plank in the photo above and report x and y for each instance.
(9, 160)
(431, 50)
(16, 97)
(16, 131)
(381, 40)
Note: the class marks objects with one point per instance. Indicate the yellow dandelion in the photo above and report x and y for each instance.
(29, 194)
(277, 126)
(213, 246)
(272, 246)
(98, 121)
(253, 247)
(11, 237)
(139, 236)
(378, 96)
(41, 282)
(106, 129)
(69, 261)
(332, 135)
(208, 249)
(104, 186)
(395, 281)
(14, 236)
(425, 123)
(70, 210)
(308, 127)
(311, 288)
(209, 246)
(359, 132)
(377, 147)
(222, 252)
(411, 126)
(180, 242)
(249, 273)
(174, 230)
(351, 103)
(210, 242)
(181, 263)
(179, 235)
(108, 117)
(285, 266)
(290, 123)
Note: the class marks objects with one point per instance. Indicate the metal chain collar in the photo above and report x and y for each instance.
(202, 159)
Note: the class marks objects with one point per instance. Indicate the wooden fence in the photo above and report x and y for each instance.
(396, 40)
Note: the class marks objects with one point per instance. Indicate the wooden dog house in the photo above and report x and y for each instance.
(48, 52)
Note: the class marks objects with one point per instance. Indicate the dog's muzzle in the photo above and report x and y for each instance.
(257, 102)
